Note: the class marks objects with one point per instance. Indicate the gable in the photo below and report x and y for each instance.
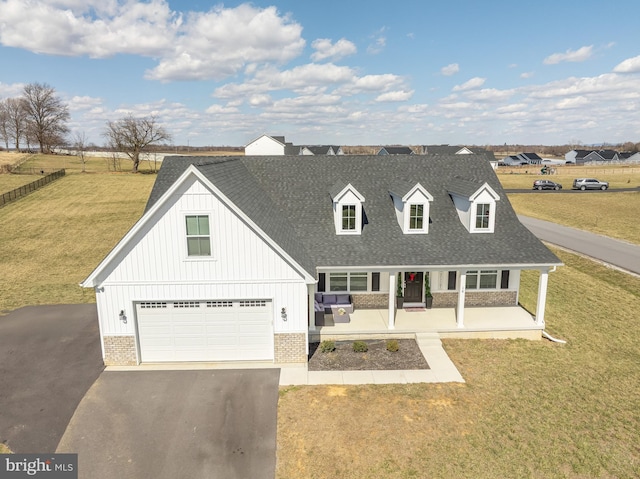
(265, 145)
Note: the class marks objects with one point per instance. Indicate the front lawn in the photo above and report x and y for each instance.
(528, 409)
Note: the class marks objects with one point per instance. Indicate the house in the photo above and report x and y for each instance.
(601, 155)
(576, 156)
(531, 158)
(233, 255)
(513, 160)
(321, 150)
(395, 150)
(270, 146)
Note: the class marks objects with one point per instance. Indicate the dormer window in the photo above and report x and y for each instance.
(475, 203)
(347, 209)
(482, 215)
(348, 218)
(416, 217)
(411, 202)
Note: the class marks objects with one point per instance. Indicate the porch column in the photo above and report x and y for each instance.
(311, 288)
(392, 300)
(461, 291)
(542, 297)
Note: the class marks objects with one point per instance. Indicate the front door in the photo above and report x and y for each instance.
(413, 287)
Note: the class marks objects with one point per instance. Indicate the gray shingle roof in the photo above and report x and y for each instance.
(289, 199)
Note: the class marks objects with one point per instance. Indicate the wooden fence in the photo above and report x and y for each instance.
(31, 187)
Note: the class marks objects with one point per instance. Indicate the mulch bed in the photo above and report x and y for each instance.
(377, 357)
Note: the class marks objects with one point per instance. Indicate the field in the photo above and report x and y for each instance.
(527, 409)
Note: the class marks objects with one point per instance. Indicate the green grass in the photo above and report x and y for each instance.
(618, 177)
(52, 239)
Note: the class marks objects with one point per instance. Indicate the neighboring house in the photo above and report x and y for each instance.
(531, 158)
(513, 160)
(576, 156)
(232, 255)
(395, 150)
(321, 150)
(601, 155)
(270, 146)
(630, 156)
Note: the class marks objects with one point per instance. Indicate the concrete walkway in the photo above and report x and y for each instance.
(442, 369)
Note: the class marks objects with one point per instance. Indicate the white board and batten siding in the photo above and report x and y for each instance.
(154, 266)
(264, 145)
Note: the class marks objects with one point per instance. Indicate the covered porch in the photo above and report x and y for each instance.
(500, 322)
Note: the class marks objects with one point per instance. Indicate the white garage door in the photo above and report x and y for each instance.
(205, 330)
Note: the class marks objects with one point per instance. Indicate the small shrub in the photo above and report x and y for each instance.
(392, 345)
(327, 346)
(360, 347)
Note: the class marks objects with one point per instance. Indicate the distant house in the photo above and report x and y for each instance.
(454, 150)
(266, 145)
(321, 150)
(576, 156)
(602, 155)
(513, 160)
(531, 158)
(395, 150)
(629, 156)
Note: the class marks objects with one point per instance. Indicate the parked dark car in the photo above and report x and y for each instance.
(589, 184)
(546, 185)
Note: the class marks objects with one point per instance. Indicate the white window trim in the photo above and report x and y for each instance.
(425, 219)
(183, 234)
(473, 217)
(356, 207)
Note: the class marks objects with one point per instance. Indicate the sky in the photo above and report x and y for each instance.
(340, 72)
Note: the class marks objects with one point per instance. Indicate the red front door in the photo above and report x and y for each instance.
(413, 284)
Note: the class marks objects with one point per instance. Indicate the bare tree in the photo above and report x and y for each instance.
(4, 123)
(80, 145)
(47, 115)
(132, 135)
(17, 116)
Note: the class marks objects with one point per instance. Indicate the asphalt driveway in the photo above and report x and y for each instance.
(170, 424)
(49, 357)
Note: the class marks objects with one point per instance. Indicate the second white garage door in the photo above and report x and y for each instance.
(205, 330)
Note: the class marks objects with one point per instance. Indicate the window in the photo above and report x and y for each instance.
(483, 279)
(348, 281)
(348, 217)
(482, 215)
(358, 282)
(198, 239)
(416, 217)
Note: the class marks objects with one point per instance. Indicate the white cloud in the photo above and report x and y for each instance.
(578, 55)
(325, 49)
(221, 42)
(379, 42)
(192, 46)
(571, 103)
(84, 103)
(260, 100)
(395, 96)
(218, 109)
(68, 28)
(475, 82)
(526, 75)
(450, 69)
(630, 65)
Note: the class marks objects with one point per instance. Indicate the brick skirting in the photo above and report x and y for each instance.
(370, 301)
(120, 351)
(290, 347)
(475, 298)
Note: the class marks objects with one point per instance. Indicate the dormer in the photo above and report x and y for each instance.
(475, 203)
(347, 209)
(411, 202)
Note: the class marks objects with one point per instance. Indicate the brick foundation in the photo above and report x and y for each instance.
(120, 351)
(290, 348)
(475, 298)
(370, 301)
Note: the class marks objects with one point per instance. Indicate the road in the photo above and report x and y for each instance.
(615, 252)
